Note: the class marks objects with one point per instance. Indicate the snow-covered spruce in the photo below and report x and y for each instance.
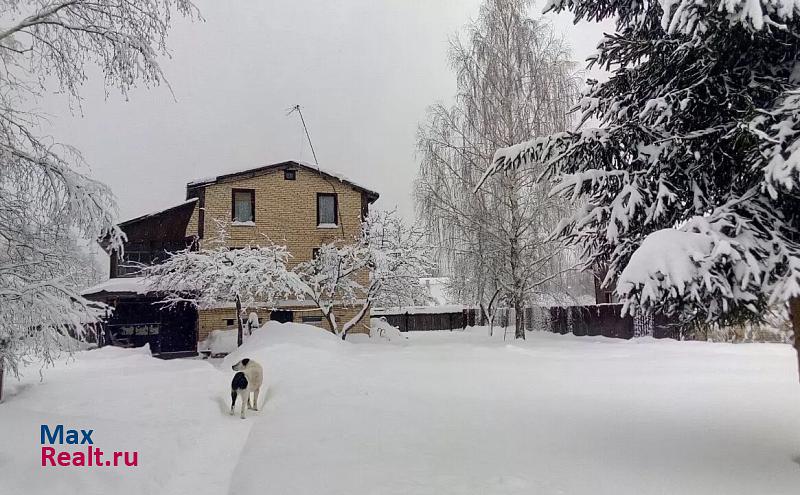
(699, 127)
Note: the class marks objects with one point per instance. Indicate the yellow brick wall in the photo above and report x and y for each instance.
(285, 211)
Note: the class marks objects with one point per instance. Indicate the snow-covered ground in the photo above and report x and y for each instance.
(437, 413)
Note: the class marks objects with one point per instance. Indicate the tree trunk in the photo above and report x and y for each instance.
(240, 333)
(1, 380)
(519, 320)
(794, 311)
(356, 319)
(332, 321)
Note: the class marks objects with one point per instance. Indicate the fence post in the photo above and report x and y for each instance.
(1, 380)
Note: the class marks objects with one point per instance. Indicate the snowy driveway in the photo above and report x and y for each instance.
(441, 413)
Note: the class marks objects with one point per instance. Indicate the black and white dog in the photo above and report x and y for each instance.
(247, 379)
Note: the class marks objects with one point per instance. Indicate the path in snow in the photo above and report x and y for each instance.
(440, 413)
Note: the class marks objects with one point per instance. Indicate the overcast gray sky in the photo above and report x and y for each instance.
(363, 71)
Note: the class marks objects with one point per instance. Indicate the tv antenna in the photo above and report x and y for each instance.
(294, 109)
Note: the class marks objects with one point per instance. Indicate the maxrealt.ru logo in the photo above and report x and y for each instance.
(91, 456)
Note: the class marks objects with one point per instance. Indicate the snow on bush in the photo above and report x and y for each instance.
(379, 328)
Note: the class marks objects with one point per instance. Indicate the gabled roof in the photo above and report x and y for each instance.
(156, 213)
(371, 195)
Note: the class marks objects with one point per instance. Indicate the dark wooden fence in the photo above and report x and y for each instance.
(588, 320)
(600, 320)
(409, 321)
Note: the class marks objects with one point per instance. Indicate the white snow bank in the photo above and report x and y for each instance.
(274, 334)
(172, 413)
(457, 413)
(445, 413)
(220, 342)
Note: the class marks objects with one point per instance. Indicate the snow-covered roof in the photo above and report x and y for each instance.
(152, 214)
(296, 163)
(136, 285)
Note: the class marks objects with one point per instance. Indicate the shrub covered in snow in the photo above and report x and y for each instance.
(379, 328)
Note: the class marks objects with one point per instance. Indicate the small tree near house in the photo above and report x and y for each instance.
(247, 277)
(331, 278)
(690, 187)
(383, 267)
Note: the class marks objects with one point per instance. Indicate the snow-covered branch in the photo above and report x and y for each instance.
(48, 205)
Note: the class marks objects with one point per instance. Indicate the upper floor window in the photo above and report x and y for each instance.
(327, 209)
(243, 207)
(289, 174)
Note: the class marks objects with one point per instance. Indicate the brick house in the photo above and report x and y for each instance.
(292, 203)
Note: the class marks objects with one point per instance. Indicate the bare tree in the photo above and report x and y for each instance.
(515, 80)
(46, 201)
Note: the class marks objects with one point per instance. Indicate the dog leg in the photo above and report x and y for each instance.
(233, 400)
(244, 405)
(255, 399)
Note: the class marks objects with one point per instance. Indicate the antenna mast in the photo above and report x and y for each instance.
(296, 108)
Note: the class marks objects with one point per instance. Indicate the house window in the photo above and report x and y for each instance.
(243, 205)
(312, 320)
(229, 322)
(314, 253)
(289, 174)
(327, 206)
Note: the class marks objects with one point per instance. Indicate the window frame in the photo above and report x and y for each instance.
(335, 208)
(313, 320)
(252, 193)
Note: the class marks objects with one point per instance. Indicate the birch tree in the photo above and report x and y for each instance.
(47, 201)
(514, 80)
